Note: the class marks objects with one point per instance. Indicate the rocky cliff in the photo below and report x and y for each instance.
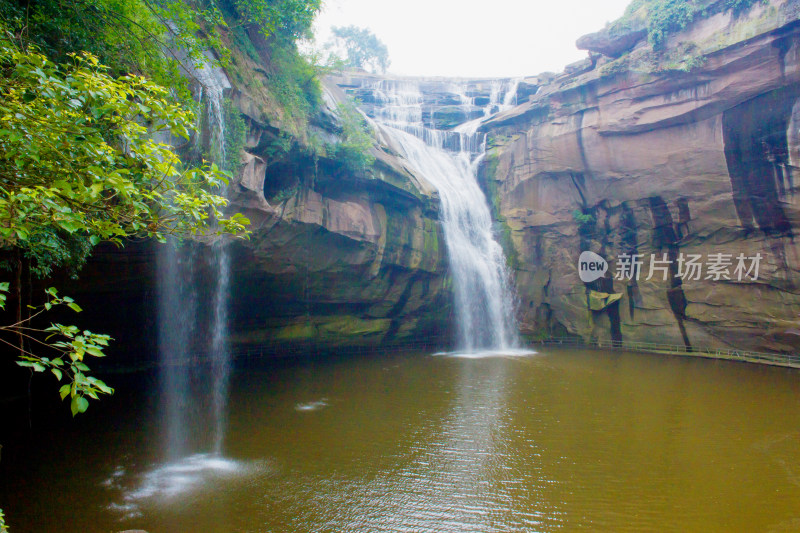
(687, 155)
(677, 155)
(340, 254)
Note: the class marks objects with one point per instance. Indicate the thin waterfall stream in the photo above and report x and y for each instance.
(448, 160)
(193, 322)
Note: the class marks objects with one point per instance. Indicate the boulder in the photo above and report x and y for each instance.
(612, 44)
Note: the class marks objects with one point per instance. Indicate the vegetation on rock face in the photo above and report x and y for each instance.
(356, 141)
(78, 154)
(361, 48)
(142, 37)
(235, 136)
(88, 88)
(285, 18)
(665, 17)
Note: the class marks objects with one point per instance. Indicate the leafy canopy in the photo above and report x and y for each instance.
(361, 47)
(288, 18)
(80, 161)
(78, 153)
(146, 37)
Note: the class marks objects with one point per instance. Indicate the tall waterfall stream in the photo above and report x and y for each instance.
(448, 160)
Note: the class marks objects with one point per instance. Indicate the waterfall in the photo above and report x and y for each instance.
(177, 305)
(212, 85)
(220, 346)
(194, 398)
(484, 301)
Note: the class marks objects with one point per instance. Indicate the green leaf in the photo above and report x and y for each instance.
(95, 351)
(65, 390)
(103, 387)
(75, 307)
(57, 373)
(79, 404)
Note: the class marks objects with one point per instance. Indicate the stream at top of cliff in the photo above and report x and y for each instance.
(559, 440)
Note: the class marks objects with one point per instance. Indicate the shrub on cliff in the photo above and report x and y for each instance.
(356, 141)
(665, 17)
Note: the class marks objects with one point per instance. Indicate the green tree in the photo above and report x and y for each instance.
(152, 38)
(287, 18)
(361, 47)
(80, 161)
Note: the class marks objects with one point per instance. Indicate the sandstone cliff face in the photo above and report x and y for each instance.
(337, 256)
(691, 151)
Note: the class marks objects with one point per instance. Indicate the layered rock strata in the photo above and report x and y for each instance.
(691, 152)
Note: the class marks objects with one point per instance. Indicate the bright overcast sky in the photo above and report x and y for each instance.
(491, 38)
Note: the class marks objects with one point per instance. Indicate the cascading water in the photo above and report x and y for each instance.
(179, 313)
(448, 160)
(177, 305)
(220, 346)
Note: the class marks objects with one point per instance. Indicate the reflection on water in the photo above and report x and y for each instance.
(560, 440)
(312, 406)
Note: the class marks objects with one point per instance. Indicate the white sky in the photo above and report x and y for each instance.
(483, 38)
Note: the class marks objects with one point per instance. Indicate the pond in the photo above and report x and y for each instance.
(559, 440)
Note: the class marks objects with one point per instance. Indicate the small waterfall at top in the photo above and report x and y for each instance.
(187, 428)
(484, 300)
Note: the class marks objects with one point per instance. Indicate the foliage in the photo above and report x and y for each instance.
(686, 57)
(668, 16)
(3, 527)
(235, 135)
(356, 141)
(740, 6)
(153, 38)
(665, 17)
(362, 48)
(79, 165)
(290, 18)
(620, 65)
(69, 345)
(77, 156)
(583, 219)
(294, 83)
